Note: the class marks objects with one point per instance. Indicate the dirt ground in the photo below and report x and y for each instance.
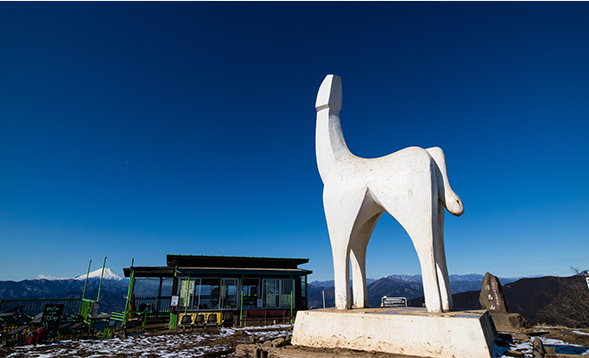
(567, 334)
(510, 344)
(221, 342)
(209, 342)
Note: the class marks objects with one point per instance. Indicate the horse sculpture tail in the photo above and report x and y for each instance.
(447, 196)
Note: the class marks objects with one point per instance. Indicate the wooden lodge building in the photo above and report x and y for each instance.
(260, 290)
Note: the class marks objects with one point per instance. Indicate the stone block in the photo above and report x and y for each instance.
(509, 321)
(408, 331)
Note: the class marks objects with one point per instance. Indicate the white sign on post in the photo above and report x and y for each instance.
(393, 302)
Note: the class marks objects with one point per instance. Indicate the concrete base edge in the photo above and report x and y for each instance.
(407, 331)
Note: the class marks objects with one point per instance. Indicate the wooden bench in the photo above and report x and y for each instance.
(266, 316)
(283, 315)
(254, 315)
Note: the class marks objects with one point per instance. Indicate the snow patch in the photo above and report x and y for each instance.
(527, 347)
(108, 275)
(52, 278)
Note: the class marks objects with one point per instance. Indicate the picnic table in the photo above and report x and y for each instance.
(14, 313)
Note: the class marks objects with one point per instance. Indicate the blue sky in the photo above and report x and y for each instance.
(134, 130)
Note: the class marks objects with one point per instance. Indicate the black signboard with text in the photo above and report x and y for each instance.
(51, 317)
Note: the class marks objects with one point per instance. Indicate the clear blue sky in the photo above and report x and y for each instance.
(134, 130)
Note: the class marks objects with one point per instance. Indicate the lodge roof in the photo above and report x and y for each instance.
(149, 271)
(222, 265)
(202, 261)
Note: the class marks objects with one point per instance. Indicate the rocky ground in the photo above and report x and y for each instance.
(244, 342)
(209, 342)
(566, 341)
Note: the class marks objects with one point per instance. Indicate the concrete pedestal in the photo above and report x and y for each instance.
(409, 331)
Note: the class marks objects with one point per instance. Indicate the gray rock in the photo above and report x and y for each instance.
(538, 350)
(492, 297)
(279, 342)
(508, 321)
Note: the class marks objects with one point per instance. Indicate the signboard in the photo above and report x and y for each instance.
(51, 317)
(587, 279)
(390, 302)
(174, 302)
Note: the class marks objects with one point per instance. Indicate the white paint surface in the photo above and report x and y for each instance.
(411, 184)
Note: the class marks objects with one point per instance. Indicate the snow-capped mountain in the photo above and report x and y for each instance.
(108, 275)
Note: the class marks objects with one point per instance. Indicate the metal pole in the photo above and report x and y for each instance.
(199, 288)
(187, 295)
(241, 305)
(291, 293)
(323, 292)
(86, 284)
(306, 294)
(101, 275)
(159, 296)
(129, 293)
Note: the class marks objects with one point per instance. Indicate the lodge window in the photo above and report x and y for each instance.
(223, 293)
(146, 287)
(251, 293)
(277, 293)
(302, 283)
(153, 291)
(229, 293)
(208, 293)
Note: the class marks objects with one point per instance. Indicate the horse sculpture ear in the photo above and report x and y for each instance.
(330, 94)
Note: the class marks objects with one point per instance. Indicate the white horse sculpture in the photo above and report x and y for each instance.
(411, 184)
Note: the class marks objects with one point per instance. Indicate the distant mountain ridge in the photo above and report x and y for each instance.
(330, 283)
(409, 286)
(112, 295)
(114, 289)
(417, 278)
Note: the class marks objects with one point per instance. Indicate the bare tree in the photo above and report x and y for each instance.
(571, 307)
